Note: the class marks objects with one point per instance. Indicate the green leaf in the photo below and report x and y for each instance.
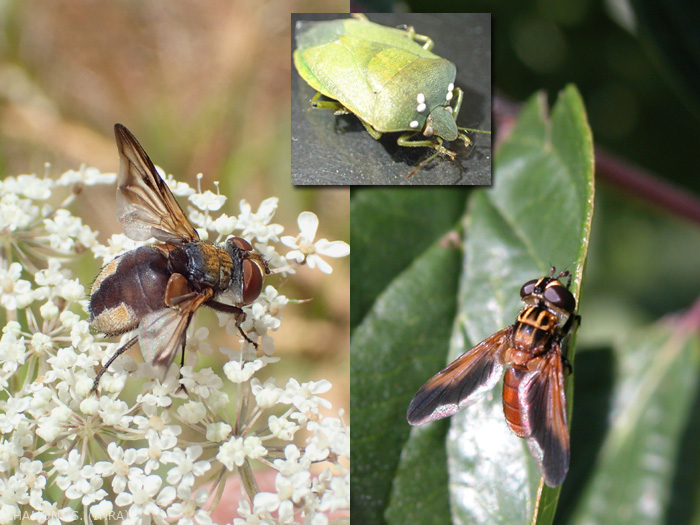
(538, 213)
(652, 400)
(390, 352)
(426, 501)
(388, 232)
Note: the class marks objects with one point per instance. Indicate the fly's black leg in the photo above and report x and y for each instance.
(131, 342)
(235, 311)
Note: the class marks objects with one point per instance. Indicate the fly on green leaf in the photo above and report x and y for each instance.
(387, 77)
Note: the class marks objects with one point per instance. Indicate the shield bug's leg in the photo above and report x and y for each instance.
(337, 107)
(458, 103)
(439, 149)
(421, 164)
(472, 130)
(376, 134)
(464, 139)
(131, 342)
(426, 41)
(404, 140)
(458, 106)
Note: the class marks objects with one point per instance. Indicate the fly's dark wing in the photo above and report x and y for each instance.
(145, 205)
(543, 411)
(461, 383)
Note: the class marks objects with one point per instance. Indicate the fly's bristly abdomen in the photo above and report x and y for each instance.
(118, 303)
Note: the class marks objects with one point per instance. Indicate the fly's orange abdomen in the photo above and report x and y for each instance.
(511, 401)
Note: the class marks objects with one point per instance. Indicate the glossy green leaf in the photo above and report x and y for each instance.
(538, 213)
(389, 233)
(399, 338)
(418, 492)
(654, 393)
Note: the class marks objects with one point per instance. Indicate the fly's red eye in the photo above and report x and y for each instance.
(241, 243)
(528, 287)
(252, 281)
(559, 296)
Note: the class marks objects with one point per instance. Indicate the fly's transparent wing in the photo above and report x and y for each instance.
(161, 333)
(145, 205)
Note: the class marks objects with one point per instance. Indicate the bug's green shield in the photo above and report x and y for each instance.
(376, 72)
(389, 78)
(312, 34)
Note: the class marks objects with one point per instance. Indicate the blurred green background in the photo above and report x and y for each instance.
(643, 105)
(205, 88)
(637, 66)
(635, 63)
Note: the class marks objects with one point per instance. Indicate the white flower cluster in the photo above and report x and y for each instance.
(68, 455)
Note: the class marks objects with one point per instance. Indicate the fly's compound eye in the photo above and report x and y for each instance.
(528, 287)
(558, 295)
(241, 243)
(252, 272)
(252, 281)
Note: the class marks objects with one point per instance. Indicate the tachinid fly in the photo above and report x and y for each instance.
(156, 289)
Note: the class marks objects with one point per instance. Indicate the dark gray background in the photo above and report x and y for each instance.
(323, 154)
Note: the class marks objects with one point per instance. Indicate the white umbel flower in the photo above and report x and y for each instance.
(308, 252)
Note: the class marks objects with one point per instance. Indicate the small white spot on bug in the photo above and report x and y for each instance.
(451, 87)
(420, 98)
(421, 108)
(414, 124)
(449, 96)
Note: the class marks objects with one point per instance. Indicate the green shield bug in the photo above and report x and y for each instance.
(389, 79)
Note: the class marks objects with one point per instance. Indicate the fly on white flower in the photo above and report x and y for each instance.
(155, 289)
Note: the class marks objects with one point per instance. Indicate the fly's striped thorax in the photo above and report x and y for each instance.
(533, 329)
(532, 336)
